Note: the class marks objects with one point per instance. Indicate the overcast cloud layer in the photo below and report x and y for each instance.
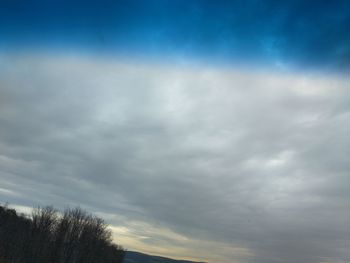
(223, 165)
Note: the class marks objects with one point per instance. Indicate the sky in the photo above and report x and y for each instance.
(213, 131)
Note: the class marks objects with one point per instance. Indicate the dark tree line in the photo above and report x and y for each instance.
(49, 237)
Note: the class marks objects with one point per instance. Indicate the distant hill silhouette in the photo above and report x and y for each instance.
(137, 257)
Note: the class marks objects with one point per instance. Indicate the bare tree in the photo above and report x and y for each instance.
(47, 236)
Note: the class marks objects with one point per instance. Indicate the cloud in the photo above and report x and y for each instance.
(184, 159)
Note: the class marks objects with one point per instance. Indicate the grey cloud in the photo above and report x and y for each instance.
(254, 159)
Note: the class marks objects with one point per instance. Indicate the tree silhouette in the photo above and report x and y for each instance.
(49, 237)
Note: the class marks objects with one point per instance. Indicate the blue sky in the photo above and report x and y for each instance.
(297, 33)
(214, 131)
